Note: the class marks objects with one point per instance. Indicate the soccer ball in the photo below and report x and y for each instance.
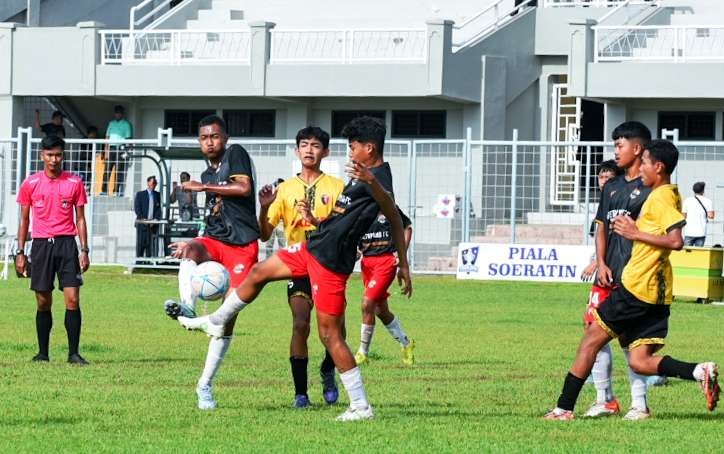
(210, 281)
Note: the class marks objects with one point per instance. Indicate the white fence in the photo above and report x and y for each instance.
(674, 43)
(572, 3)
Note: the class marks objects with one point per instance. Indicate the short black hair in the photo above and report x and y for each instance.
(152, 177)
(699, 187)
(213, 120)
(52, 141)
(118, 109)
(610, 166)
(90, 130)
(57, 113)
(185, 173)
(632, 130)
(665, 152)
(313, 132)
(366, 129)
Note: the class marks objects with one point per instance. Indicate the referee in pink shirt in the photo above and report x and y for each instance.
(56, 200)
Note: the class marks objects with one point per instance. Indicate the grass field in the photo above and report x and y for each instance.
(491, 357)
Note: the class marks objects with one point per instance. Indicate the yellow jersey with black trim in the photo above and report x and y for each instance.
(648, 275)
(321, 195)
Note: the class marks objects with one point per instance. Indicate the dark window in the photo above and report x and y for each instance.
(185, 122)
(419, 123)
(342, 117)
(250, 123)
(691, 125)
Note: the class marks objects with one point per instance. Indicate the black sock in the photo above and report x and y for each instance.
(571, 388)
(299, 374)
(72, 327)
(43, 325)
(327, 363)
(671, 367)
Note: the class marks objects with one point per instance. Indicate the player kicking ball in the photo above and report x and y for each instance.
(637, 312)
(379, 266)
(328, 258)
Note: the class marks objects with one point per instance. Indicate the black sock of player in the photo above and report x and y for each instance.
(43, 325)
(671, 367)
(571, 388)
(327, 363)
(72, 327)
(299, 374)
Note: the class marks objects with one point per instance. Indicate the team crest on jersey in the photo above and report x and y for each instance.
(381, 219)
(65, 204)
(635, 193)
(239, 268)
(325, 199)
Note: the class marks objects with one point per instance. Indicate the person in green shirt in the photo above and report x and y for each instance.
(118, 130)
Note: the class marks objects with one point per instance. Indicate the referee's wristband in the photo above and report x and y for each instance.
(84, 249)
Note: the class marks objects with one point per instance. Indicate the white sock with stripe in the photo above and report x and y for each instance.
(352, 381)
(396, 331)
(186, 294)
(218, 346)
(365, 338)
(601, 374)
(638, 385)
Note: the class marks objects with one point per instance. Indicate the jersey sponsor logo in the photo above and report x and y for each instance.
(635, 193)
(239, 268)
(618, 212)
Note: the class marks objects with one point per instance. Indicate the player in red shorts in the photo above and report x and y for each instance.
(230, 237)
(379, 266)
(328, 257)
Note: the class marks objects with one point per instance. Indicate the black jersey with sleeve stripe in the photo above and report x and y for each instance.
(334, 243)
(231, 219)
(620, 197)
(378, 239)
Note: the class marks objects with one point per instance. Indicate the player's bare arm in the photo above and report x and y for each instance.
(83, 237)
(302, 207)
(267, 195)
(626, 227)
(239, 187)
(605, 276)
(21, 261)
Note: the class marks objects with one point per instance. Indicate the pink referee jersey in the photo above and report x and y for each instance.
(52, 202)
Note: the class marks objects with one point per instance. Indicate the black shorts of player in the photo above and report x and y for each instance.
(54, 256)
(299, 287)
(633, 321)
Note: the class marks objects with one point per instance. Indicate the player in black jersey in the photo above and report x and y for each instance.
(230, 236)
(379, 266)
(329, 255)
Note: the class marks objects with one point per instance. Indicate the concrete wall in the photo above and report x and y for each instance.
(552, 34)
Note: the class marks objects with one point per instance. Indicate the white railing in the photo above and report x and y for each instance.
(176, 47)
(154, 10)
(486, 22)
(595, 3)
(624, 14)
(348, 46)
(659, 43)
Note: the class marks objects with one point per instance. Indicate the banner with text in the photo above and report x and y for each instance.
(522, 262)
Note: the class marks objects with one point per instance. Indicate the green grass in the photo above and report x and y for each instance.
(492, 357)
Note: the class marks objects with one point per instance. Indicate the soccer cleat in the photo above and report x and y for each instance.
(408, 353)
(77, 360)
(206, 399)
(361, 358)
(637, 414)
(329, 387)
(176, 310)
(598, 409)
(202, 324)
(301, 401)
(356, 414)
(40, 358)
(710, 385)
(559, 414)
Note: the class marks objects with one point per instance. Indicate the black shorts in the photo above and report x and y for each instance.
(299, 287)
(633, 321)
(54, 256)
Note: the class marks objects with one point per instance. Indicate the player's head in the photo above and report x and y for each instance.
(606, 171)
(212, 136)
(151, 182)
(658, 162)
(630, 139)
(118, 112)
(57, 118)
(366, 137)
(184, 177)
(699, 188)
(312, 146)
(51, 152)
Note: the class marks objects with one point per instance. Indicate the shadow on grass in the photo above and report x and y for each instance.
(43, 421)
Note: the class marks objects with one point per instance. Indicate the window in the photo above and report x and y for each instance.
(342, 117)
(419, 123)
(250, 123)
(185, 122)
(691, 125)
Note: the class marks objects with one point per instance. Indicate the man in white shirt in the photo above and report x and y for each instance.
(698, 210)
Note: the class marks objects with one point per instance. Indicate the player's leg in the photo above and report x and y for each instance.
(301, 307)
(394, 327)
(195, 253)
(367, 330)
(639, 391)
(606, 404)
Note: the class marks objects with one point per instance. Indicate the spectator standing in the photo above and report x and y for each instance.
(118, 131)
(698, 210)
(54, 128)
(147, 205)
(187, 207)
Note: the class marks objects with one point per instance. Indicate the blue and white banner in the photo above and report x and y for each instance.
(522, 262)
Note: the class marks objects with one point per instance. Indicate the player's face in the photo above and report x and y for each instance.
(649, 169)
(212, 140)
(626, 152)
(603, 178)
(311, 151)
(53, 159)
(360, 151)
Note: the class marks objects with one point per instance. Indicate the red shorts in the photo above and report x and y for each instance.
(378, 273)
(595, 299)
(237, 260)
(328, 287)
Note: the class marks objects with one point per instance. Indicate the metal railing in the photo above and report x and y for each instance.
(674, 43)
(349, 46)
(151, 7)
(485, 22)
(175, 47)
(590, 3)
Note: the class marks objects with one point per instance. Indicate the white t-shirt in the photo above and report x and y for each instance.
(696, 216)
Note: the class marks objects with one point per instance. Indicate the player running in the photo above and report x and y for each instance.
(230, 236)
(328, 258)
(379, 266)
(301, 203)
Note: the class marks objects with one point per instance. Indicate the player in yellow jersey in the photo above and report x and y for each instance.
(301, 203)
(637, 311)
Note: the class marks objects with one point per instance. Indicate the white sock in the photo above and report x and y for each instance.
(699, 372)
(232, 306)
(601, 374)
(352, 381)
(365, 338)
(186, 294)
(396, 331)
(218, 346)
(638, 385)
